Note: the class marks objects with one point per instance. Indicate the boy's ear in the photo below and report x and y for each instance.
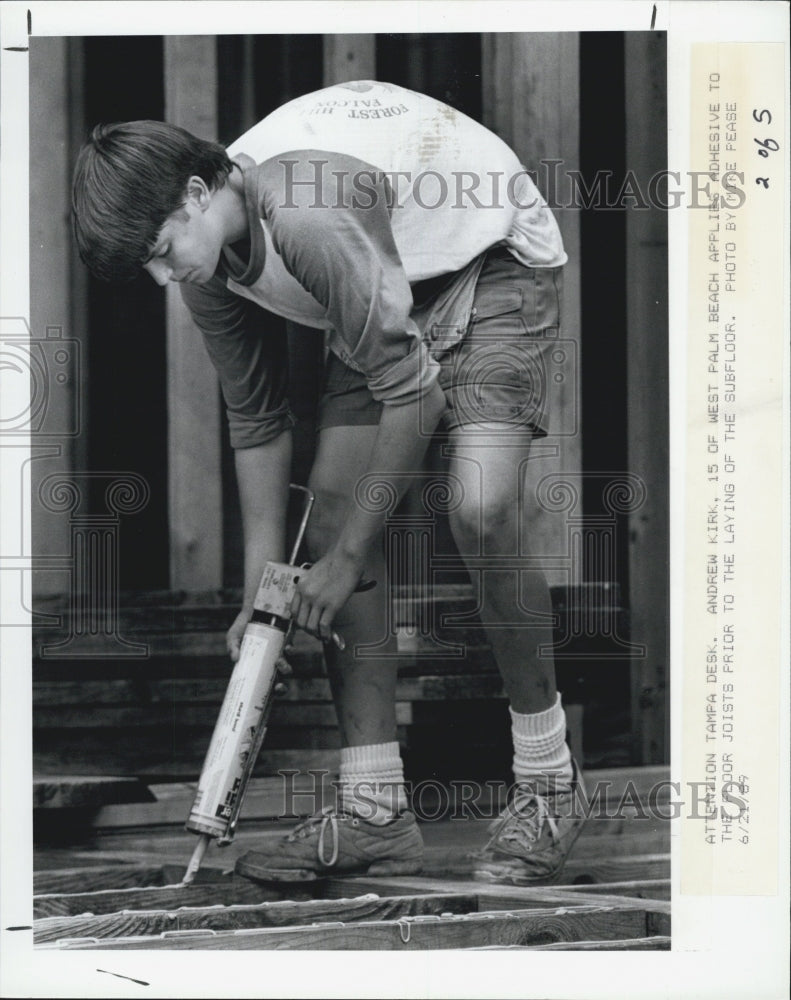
(199, 192)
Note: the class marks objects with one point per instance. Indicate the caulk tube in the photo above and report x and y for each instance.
(241, 726)
(239, 731)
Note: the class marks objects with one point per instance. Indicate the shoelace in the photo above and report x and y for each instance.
(533, 810)
(328, 817)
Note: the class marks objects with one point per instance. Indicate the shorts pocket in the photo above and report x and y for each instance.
(496, 301)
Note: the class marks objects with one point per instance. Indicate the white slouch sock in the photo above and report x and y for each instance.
(371, 782)
(540, 748)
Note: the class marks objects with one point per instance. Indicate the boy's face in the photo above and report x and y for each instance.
(188, 245)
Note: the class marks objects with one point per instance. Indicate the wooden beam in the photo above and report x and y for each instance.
(284, 714)
(415, 934)
(266, 798)
(78, 272)
(647, 393)
(93, 877)
(80, 791)
(227, 892)
(651, 888)
(658, 943)
(615, 869)
(55, 389)
(349, 57)
(194, 441)
(285, 913)
(531, 100)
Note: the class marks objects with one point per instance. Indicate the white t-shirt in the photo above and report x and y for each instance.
(457, 187)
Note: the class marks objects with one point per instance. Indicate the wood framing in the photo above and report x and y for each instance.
(55, 369)
(613, 888)
(647, 386)
(194, 442)
(349, 57)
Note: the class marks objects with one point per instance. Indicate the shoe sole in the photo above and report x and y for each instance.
(376, 868)
(513, 878)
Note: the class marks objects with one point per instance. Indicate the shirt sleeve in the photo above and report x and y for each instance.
(249, 351)
(329, 219)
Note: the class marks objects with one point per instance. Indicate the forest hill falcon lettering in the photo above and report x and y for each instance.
(358, 108)
(395, 110)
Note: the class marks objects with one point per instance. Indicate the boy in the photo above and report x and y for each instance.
(413, 237)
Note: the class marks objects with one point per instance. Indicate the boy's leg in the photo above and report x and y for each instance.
(531, 840)
(372, 832)
(496, 383)
(363, 688)
(490, 461)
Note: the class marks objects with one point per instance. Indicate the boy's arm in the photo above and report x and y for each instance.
(341, 249)
(398, 448)
(249, 353)
(263, 474)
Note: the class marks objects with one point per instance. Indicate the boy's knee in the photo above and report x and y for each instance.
(491, 518)
(324, 525)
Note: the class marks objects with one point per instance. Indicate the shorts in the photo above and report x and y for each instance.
(498, 372)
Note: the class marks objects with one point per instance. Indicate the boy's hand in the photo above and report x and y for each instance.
(233, 637)
(323, 590)
(233, 641)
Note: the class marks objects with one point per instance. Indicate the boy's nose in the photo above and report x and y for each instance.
(159, 271)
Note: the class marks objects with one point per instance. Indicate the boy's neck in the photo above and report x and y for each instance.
(234, 209)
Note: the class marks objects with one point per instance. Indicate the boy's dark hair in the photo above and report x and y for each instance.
(129, 178)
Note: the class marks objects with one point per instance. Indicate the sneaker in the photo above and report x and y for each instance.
(338, 843)
(531, 840)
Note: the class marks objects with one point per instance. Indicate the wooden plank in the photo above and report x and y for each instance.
(284, 714)
(495, 896)
(266, 798)
(657, 943)
(277, 914)
(51, 250)
(226, 892)
(417, 934)
(155, 751)
(577, 871)
(457, 862)
(453, 608)
(199, 609)
(79, 276)
(647, 374)
(271, 761)
(83, 791)
(640, 842)
(194, 441)
(656, 888)
(212, 689)
(94, 877)
(639, 866)
(349, 57)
